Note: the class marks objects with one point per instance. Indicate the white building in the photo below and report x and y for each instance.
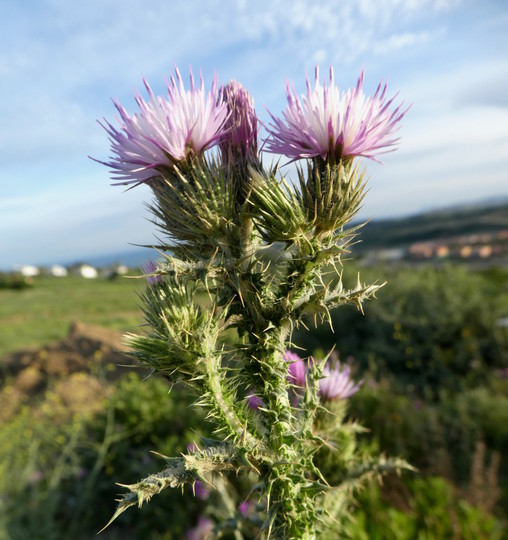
(28, 270)
(86, 271)
(58, 271)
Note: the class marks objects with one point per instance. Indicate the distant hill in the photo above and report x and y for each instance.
(432, 226)
(388, 234)
(490, 217)
(135, 258)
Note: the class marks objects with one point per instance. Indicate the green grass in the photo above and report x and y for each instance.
(42, 313)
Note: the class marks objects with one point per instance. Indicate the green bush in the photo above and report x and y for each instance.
(428, 434)
(59, 461)
(430, 328)
(14, 281)
(432, 511)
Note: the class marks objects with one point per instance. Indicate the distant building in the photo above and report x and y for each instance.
(466, 251)
(421, 250)
(111, 272)
(503, 323)
(485, 251)
(86, 271)
(390, 255)
(442, 251)
(29, 270)
(58, 271)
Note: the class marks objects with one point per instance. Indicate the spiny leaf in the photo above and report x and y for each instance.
(182, 470)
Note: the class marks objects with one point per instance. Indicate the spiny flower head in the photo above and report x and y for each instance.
(240, 140)
(337, 382)
(334, 126)
(165, 131)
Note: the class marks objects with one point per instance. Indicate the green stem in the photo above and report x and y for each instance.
(292, 509)
(223, 408)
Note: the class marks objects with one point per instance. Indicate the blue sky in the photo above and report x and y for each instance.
(61, 62)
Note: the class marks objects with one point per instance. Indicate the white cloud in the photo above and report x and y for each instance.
(461, 159)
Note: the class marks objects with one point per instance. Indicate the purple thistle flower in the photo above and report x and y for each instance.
(246, 507)
(337, 383)
(165, 131)
(297, 369)
(240, 139)
(334, 126)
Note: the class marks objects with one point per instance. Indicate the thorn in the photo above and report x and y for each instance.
(165, 458)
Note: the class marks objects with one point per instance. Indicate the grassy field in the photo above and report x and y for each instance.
(42, 313)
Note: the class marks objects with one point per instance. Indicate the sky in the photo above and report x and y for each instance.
(61, 63)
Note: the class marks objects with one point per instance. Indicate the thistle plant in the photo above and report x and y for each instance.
(246, 257)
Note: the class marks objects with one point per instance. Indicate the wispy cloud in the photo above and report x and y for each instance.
(396, 42)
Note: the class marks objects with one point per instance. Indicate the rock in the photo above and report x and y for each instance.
(29, 381)
(87, 348)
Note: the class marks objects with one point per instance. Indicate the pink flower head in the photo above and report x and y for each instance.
(241, 136)
(297, 369)
(337, 383)
(165, 131)
(333, 126)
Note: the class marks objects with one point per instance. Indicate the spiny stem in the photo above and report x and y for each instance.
(222, 406)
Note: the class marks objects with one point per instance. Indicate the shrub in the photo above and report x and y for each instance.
(430, 328)
(432, 511)
(57, 460)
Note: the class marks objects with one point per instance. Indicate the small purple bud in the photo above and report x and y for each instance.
(254, 401)
(150, 269)
(81, 473)
(246, 507)
(200, 490)
(240, 140)
(35, 477)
